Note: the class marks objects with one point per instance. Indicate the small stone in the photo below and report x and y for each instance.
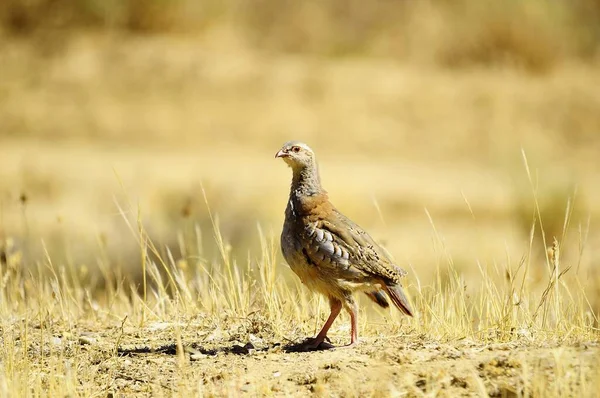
(87, 340)
(195, 354)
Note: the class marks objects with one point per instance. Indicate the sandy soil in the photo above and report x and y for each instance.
(124, 361)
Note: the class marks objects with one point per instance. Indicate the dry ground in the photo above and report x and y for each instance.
(97, 359)
(120, 277)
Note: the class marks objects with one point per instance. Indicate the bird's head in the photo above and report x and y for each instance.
(297, 155)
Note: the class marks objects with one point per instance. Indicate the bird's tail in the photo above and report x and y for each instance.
(399, 298)
(379, 297)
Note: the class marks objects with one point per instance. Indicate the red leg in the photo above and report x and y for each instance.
(352, 309)
(336, 307)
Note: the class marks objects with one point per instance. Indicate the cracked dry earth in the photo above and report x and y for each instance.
(132, 361)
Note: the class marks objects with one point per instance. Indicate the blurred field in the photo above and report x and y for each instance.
(132, 134)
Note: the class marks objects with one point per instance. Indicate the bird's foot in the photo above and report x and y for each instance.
(352, 344)
(316, 344)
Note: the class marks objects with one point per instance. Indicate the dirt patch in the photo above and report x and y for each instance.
(167, 358)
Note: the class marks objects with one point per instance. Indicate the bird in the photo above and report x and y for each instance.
(330, 253)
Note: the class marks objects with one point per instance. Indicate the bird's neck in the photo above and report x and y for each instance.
(306, 181)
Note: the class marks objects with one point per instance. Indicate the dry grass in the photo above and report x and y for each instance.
(66, 332)
(130, 316)
(140, 204)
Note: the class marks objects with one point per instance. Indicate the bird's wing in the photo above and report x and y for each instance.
(368, 255)
(323, 247)
(334, 240)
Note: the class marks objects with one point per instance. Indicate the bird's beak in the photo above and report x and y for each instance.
(281, 154)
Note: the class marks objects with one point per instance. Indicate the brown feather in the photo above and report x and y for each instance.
(399, 298)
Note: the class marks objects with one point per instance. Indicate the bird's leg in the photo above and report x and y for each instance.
(319, 341)
(335, 306)
(352, 308)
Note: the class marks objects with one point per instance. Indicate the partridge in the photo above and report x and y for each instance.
(331, 254)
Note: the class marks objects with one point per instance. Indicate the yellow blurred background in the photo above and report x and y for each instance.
(421, 114)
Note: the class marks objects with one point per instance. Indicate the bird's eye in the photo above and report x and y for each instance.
(296, 149)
